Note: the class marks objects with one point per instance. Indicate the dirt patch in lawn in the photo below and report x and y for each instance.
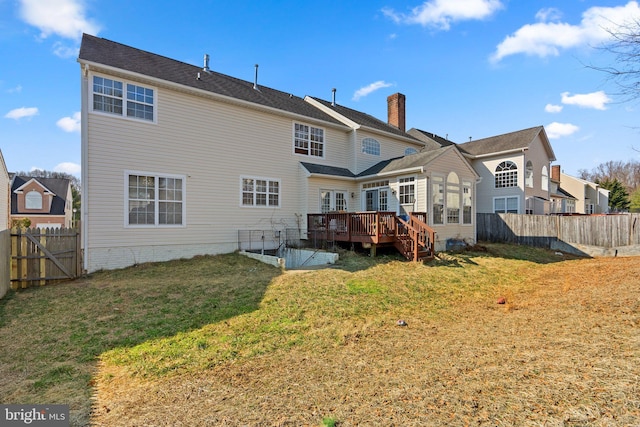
(562, 350)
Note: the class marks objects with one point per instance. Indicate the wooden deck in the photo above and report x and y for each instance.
(413, 238)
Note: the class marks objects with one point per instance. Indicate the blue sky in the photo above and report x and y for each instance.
(469, 68)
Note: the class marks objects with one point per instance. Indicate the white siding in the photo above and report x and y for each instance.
(389, 148)
(213, 145)
(486, 188)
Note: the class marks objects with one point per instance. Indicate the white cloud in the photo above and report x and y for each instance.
(596, 100)
(557, 130)
(550, 108)
(64, 51)
(441, 13)
(70, 124)
(548, 14)
(65, 18)
(549, 38)
(68, 167)
(16, 89)
(362, 92)
(22, 112)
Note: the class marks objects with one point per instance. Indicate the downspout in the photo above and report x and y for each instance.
(84, 139)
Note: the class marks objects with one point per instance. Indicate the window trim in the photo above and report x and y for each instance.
(528, 174)
(27, 199)
(295, 148)
(409, 151)
(125, 101)
(370, 146)
(255, 192)
(505, 203)
(544, 182)
(501, 175)
(333, 200)
(157, 176)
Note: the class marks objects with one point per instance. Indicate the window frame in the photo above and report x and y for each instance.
(407, 188)
(506, 210)
(507, 176)
(307, 143)
(544, 181)
(124, 98)
(31, 199)
(453, 194)
(409, 151)
(156, 199)
(371, 146)
(267, 193)
(332, 197)
(528, 174)
(438, 185)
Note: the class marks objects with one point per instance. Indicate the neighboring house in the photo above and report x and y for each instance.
(47, 202)
(5, 200)
(562, 202)
(589, 197)
(177, 159)
(514, 171)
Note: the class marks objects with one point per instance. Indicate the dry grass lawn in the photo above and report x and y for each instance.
(323, 347)
(563, 351)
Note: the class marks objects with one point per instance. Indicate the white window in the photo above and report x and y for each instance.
(453, 199)
(545, 179)
(506, 175)
(437, 187)
(376, 196)
(466, 202)
(409, 151)
(260, 192)
(308, 140)
(333, 200)
(110, 96)
(505, 205)
(528, 175)
(407, 190)
(155, 200)
(33, 200)
(371, 146)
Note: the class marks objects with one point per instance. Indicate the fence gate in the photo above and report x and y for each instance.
(42, 256)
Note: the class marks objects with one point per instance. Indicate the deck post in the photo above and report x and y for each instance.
(372, 250)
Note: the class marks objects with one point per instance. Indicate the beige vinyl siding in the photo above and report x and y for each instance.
(539, 158)
(5, 199)
(212, 144)
(442, 166)
(486, 189)
(389, 148)
(317, 184)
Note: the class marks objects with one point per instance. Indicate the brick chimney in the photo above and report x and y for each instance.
(395, 111)
(555, 173)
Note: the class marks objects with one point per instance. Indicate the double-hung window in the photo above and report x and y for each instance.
(260, 192)
(155, 200)
(122, 98)
(308, 140)
(505, 205)
(407, 190)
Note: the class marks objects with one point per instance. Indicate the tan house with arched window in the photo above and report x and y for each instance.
(514, 171)
(46, 202)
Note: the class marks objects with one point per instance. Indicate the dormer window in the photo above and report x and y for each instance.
(33, 200)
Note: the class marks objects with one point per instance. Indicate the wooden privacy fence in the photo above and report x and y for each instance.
(42, 256)
(605, 231)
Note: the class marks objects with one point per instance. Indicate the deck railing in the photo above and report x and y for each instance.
(375, 228)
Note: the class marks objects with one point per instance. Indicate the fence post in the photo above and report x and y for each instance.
(42, 238)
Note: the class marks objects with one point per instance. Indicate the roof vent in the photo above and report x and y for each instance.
(206, 63)
(333, 97)
(255, 80)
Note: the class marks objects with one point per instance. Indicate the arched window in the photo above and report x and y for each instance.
(545, 179)
(33, 200)
(409, 151)
(506, 175)
(371, 146)
(453, 199)
(528, 175)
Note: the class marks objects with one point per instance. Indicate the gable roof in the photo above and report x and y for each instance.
(505, 143)
(431, 140)
(393, 166)
(97, 51)
(363, 119)
(57, 186)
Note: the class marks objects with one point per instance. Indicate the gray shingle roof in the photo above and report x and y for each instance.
(505, 142)
(327, 170)
(364, 119)
(57, 186)
(406, 162)
(430, 139)
(106, 52)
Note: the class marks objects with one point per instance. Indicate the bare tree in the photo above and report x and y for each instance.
(625, 46)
